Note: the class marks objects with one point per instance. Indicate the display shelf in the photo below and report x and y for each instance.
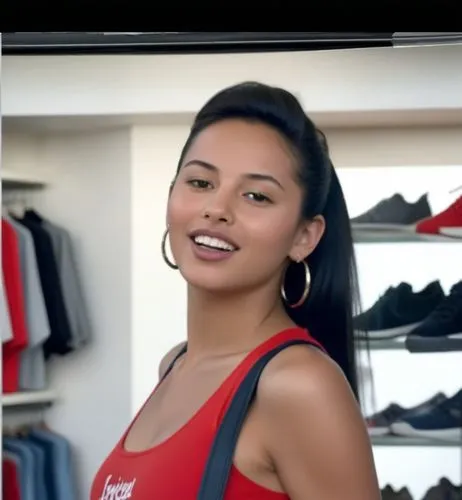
(18, 180)
(421, 345)
(383, 345)
(28, 399)
(397, 236)
(417, 346)
(412, 441)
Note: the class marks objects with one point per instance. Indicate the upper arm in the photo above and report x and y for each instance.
(313, 429)
(169, 357)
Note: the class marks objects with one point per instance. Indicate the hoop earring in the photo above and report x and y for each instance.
(306, 290)
(164, 251)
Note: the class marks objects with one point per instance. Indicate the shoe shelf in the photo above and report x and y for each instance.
(435, 346)
(413, 441)
(382, 345)
(399, 236)
(394, 219)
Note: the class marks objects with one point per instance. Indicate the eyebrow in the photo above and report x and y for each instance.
(253, 176)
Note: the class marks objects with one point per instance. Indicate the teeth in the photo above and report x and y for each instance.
(213, 243)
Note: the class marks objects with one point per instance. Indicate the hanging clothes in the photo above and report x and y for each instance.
(11, 485)
(11, 269)
(32, 360)
(42, 306)
(59, 340)
(37, 464)
(72, 290)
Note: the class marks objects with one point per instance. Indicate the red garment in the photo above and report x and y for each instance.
(15, 298)
(10, 483)
(173, 469)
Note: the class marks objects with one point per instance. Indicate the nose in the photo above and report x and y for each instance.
(218, 209)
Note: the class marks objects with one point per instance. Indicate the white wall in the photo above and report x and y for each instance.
(159, 293)
(396, 146)
(341, 83)
(110, 187)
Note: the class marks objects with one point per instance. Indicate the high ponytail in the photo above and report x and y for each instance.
(328, 311)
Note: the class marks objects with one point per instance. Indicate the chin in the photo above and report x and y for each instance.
(211, 280)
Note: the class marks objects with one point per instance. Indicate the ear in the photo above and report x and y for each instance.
(307, 238)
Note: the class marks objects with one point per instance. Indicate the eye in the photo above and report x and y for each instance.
(258, 197)
(199, 183)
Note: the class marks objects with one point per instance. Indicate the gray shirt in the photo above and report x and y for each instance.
(6, 330)
(70, 283)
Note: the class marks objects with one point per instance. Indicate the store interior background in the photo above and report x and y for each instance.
(104, 134)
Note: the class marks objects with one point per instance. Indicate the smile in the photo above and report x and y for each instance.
(213, 243)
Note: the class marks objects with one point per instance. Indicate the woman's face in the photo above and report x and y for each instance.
(234, 210)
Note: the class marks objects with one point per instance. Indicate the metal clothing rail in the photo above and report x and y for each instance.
(40, 43)
(184, 42)
(426, 38)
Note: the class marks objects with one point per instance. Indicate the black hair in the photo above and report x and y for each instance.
(328, 311)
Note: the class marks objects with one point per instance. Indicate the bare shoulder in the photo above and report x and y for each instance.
(169, 357)
(303, 372)
(313, 429)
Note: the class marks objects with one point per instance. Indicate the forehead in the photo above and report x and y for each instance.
(241, 146)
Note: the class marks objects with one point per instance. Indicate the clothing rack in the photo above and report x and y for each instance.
(39, 321)
(37, 463)
(42, 302)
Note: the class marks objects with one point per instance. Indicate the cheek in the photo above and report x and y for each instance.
(274, 231)
(180, 209)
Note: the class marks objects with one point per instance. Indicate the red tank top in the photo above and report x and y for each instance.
(173, 469)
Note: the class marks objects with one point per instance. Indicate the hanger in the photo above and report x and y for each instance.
(16, 432)
(14, 203)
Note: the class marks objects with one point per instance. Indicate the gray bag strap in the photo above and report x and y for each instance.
(220, 459)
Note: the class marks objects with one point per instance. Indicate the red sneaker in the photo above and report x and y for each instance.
(446, 223)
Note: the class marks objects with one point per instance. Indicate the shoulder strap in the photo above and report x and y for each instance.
(220, 459)
(175, 359)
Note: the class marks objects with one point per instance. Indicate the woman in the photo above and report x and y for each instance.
(259, 229)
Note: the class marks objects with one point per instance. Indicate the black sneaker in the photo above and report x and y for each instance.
(393, 213)
(444, 490)
(398, 311)
(442, 329)
(442, 422)
(380, 423)
(388, 493)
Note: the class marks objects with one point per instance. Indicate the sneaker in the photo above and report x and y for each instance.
(379, 424)
(403, 494)
(388, 493)
(442, 422)
(444, 490)
(393, 213)
(446, 223)
(442, 329)
(398, 311)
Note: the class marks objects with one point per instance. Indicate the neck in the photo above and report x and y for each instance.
(221, 324)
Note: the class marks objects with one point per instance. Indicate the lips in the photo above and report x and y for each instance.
(213, 240)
